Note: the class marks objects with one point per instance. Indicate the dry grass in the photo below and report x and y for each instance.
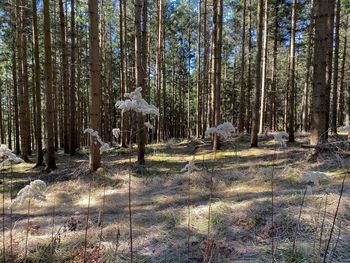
(241, 207)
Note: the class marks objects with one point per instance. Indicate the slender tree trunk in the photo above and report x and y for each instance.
(122, 70)
(336, 67)
(95, 84)
(264, 67)
(305, 99)
(15, 101)
(249, 80)
(199, 73)
(292, 76)
(72, 106)
(242, 105)
(205, 70)
(50, 159)
(342, 75)
(65, 79)
(216, 84)
(255, 123)
(273, 113)
(40, 156)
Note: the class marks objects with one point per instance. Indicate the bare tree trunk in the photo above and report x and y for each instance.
(255, 123)
(335, 72)
(72, 106)
(15, 101)
(216, 84)
(320, 104)
(292, 76)
(342, 75)
(249, 81)
(95, 84)
(122, 13)
(305, 99)
(40, 156)
(273, 113)
(199, 73)
(65, 79)
(264, 70)
(242, 105)
(50, 159)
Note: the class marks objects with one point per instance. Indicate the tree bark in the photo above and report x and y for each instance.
(320, 103)
(65, 79)
(335, 70)
(242, 105)
(50, 158)
(72, 106)
(40, 156)
(342, 75)
(291, 81)
(255, 122)
(95, 84)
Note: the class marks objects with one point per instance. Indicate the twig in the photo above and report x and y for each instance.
(3, 214)
(11, 241)
(129, 195)
(315, 236)
(53, 226)
(336, 243)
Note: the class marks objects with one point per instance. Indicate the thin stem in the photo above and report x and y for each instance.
(321, 230)
(11, 241)
(315, 236)
(334, 219)
(87, 221)
(53, 227)
(129, 194)
(3, 214)
(336, 244)
(189, 217)
(273, 214)
(297, 226)
(27, 232)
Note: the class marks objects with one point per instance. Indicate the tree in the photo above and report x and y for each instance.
(242, 105)
(291, 79)
(65, 79)
(335, 70)
(72, 106)
(95, 84)
(255, 122)
(50, 158)
(40, 156)
(342, 76)
(216, 82)
(320, 105)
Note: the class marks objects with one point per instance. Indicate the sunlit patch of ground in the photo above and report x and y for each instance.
(240, 221)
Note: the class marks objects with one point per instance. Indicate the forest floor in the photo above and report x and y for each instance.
(241, 221)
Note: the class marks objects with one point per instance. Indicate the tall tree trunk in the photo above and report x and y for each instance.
(139, 77)
(95, 84)
(320, 103)
(199, 73)
(335, 71)
(72, 107)
(15, 100)
(242, 105)
(306, 91)
(291, 81)
(273, 113)
(65, 79)
(255, 123)
(50, 159)
(216, 84)
(342, 75)
(40, 156)
(205, 69)
(249, 80)
(22, 77)
(264, 71)
(122, 13)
